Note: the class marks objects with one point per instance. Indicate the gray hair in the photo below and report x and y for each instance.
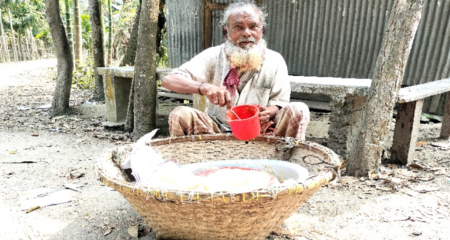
(242, 6)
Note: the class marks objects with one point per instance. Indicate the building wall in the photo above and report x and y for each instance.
(327, 38)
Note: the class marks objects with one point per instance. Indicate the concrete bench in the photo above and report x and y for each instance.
(347, 100)
(117, 85)
(348, 97)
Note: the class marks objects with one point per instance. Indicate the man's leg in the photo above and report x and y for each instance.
(292, 120)
(188, 121)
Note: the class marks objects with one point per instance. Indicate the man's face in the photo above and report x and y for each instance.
(244, 28)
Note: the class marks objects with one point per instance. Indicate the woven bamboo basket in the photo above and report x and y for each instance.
(221, 215)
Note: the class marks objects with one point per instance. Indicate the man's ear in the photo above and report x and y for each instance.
(224, 31)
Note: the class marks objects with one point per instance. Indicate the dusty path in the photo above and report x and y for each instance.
(403, 203)
(59, 148)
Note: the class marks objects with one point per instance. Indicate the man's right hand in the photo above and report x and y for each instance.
(216, 95)
(181, 84)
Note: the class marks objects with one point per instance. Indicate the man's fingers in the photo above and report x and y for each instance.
(228, 102)
(221, 98)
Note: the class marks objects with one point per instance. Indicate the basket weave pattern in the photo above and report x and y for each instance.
(216, 215)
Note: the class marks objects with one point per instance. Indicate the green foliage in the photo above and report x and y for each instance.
(86, 31)
(25, 14)
(84, 74)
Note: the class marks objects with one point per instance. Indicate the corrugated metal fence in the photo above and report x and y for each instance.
(335, 38)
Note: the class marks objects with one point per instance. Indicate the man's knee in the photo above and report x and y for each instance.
(181, 111)
(298, 109)
(181, 114)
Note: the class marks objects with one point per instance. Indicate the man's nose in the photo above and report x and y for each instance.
(247, 32)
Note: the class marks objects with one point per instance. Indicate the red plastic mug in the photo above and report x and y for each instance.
(248, 126)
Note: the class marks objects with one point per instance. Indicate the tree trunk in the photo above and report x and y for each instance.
(77, 26)
(128, 59)
(109, 33)
(130, 55)
(13, 38)
(5, 43)
(69, 25)
(386, 83)
(145, 70)
(61, 95)
(95, 12)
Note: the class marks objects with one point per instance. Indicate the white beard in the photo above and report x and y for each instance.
(248, 58)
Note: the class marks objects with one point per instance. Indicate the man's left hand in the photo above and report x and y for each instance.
(265, 115)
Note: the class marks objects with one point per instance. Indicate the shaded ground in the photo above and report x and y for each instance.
(399, 203)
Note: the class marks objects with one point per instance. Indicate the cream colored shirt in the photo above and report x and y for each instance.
(266, 87)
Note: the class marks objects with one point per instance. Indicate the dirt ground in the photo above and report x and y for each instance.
(37, 151)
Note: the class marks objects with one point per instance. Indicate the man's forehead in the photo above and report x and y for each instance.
(240, 15)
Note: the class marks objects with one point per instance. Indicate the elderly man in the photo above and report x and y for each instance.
(239, 72)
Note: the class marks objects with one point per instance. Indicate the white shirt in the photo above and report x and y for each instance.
(269, 86)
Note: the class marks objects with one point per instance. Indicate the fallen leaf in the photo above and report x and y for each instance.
(386, 189)
(108, 231)
(425, 189)
(440, 172)
(409, 192)
(75, 176)
(72, 186)
(32, 209)
(12, 152)
(133, 231)
(35, 135)
(442, 146)
(425, 178)
(373, 175)
(344, 164)
(421, 143)
(416, 166)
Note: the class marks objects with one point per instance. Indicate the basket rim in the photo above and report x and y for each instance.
(184, 196)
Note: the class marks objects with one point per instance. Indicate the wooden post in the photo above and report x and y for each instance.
(406, 131)
(13, 38)
(445, 130)
(22, 48)
(34, 52)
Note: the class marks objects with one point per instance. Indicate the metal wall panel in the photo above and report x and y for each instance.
(184, 30)
(335, 38)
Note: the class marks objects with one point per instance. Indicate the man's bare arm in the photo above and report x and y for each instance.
(181, 84)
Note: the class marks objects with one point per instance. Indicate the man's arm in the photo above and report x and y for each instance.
(182, 84)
